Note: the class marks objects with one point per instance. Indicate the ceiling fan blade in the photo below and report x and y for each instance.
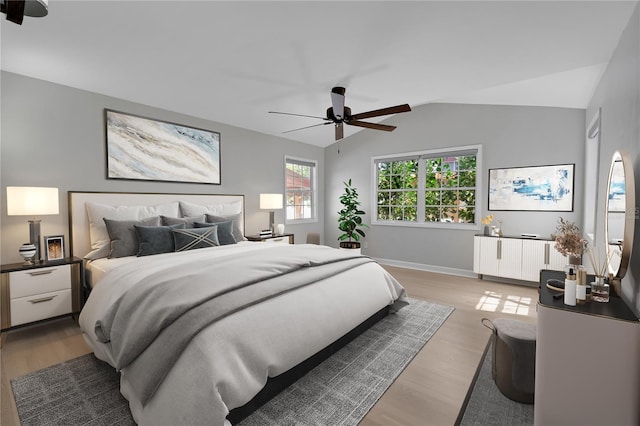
(374, 126)
(337, 102)
(384, 111)
(307, 127)
(339, 132)
(299, 115)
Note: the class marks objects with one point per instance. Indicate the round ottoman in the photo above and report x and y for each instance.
(514, 358)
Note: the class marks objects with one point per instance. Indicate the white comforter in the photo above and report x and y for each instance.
(226, 364)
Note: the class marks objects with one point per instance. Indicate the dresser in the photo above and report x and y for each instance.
(587, 361)
(30, 293)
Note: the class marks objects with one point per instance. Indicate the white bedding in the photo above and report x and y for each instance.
(219, 371)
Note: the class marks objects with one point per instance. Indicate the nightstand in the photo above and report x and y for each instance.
(30, 293)
(276, 239)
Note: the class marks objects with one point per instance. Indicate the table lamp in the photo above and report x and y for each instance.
(271, 202)
(32, 201)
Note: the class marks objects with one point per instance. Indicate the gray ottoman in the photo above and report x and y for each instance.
(514, 358)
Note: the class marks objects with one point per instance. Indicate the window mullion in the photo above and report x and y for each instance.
(422, 184)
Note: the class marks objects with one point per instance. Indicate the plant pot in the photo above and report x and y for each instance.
(349, 244)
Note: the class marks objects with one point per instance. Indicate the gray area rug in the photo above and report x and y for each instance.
(340, 391)
(487, 406)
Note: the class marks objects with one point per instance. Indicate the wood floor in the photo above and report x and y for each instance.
(430, 391)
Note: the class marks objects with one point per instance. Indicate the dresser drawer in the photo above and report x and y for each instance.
(278, 240)
(37, 281)
(41, 306)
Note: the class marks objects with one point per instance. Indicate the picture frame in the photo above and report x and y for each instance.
(532, 188)
(54, 248)
(141, 148)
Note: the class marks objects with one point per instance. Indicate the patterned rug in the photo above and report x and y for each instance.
(340, 391)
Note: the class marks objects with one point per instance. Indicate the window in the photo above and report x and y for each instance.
(429, 188)
(301, 188)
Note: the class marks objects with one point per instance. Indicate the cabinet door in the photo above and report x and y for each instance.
(510, 262)
(489, 255)
(557, 261)
(534, 258)
(476, 254)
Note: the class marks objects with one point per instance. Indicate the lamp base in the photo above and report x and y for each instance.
(271, 222)
(34, 238)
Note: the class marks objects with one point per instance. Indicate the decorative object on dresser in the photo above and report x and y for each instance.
(141, 148)
(27, 251)
(350, 218)
(535, 188)
(54, 247)
(32, 201)
(271, 202)
(569, 241)
(39, 292)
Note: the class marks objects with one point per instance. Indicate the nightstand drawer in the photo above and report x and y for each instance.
(277, 240)
(37, 281)
(41, 306)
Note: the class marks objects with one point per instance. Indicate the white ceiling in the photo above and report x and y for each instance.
(231, 62)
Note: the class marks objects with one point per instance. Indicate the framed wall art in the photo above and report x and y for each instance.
(141, 148)
(535, 188)
(54, 247)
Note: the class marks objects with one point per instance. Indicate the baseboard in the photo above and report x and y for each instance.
(428, 268)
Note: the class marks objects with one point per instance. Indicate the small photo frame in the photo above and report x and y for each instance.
(54, 247)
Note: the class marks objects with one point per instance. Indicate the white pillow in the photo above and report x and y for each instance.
(191, 209)
(100, 242)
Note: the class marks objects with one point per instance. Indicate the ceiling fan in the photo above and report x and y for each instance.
(339, 114)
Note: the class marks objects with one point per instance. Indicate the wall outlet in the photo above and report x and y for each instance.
(365, 244)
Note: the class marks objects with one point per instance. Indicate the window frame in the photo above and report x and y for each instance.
(288, 159)
(431, 153)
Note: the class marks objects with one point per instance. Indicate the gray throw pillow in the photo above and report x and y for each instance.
(225, 232)
(234, 218)
(195, 238)
(187, 221)
(156, 239)
(124, 241)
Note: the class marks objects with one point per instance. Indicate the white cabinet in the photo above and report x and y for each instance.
(516, 258)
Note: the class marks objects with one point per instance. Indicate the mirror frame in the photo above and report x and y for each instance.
(629, 213)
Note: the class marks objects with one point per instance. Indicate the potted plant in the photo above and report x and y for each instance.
(350, 218)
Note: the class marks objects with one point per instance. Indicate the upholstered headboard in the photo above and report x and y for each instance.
(80, 242)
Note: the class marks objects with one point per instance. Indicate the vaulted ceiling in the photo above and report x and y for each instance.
(231, 62)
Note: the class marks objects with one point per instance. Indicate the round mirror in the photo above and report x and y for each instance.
(620, 214)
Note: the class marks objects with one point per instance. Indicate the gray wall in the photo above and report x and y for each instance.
(510, 136)
(54, 135)
(618, 94)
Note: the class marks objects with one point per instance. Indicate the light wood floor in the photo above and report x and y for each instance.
(431, 390)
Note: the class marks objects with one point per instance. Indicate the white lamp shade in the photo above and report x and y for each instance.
(270, 201)
(32, 201)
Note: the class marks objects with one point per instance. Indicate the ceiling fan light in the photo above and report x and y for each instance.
(36, 8)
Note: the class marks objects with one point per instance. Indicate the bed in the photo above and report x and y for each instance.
(204, 335)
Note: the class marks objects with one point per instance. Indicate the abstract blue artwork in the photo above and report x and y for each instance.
(144, 149)
(535, 188)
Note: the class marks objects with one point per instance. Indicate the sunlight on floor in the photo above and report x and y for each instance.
(496, 302)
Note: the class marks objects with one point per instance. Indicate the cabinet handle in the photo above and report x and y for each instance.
(499, 249)
(44, 299)
(546, 254)
(33, 274)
